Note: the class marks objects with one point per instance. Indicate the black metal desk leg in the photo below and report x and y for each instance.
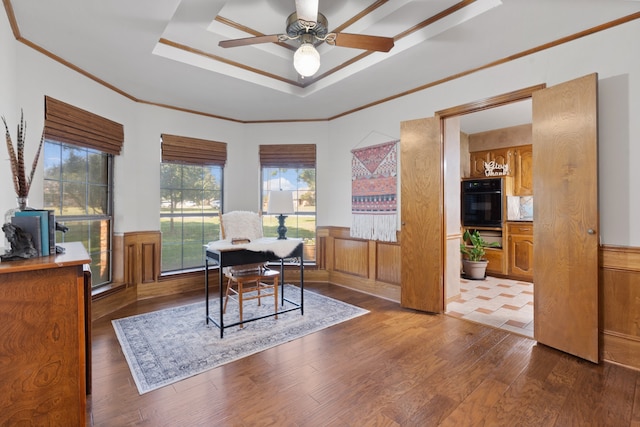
(206, 286)
(220, 280)
(301, 283)
(281, 282)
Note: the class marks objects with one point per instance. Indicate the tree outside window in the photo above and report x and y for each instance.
(301, 224)
(190, 203)
(78, 188)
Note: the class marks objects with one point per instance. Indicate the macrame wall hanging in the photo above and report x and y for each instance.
(374, 192)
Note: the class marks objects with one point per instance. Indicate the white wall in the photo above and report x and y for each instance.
(606, 53)
(26, 76)
(8, 109)
(270, 134)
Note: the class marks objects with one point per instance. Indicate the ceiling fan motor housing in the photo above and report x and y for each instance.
(295, 27)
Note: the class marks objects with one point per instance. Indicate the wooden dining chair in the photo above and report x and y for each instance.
(259, 284)
(248, 281)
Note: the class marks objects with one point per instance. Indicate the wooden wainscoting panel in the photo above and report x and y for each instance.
(620, 302)
(142, 250)
(620, 258)
(130, 263)
(387, 263)
(150, 268)
(117, 265)
(371, 287)
(365, 265)
(621, 350)
(103, 306)
(351, 257)
(322, 234)
(179, 283)
(619, 305)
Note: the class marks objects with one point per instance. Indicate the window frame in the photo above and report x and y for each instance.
(290, 156)
(63, 219)
(182, 215)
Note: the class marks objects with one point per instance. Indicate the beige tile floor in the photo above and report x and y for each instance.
(502, 303)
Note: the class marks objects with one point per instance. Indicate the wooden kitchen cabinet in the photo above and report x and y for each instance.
(43, 307)
(520, 237)
(496, 260)
(523, 171)
(502, 156)
(476, 163)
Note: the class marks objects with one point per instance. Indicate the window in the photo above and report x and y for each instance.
(79, 152)
(291, 167)
(191, 176)
(190, 200)
(78, 188)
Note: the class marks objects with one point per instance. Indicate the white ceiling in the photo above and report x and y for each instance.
(166, 51)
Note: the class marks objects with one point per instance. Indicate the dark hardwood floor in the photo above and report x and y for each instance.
(391, 367)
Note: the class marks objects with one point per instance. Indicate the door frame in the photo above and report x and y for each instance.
(474, 107)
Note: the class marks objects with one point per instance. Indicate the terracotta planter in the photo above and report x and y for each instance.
(475, 269)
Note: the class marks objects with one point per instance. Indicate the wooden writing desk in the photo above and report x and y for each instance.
(226, 255)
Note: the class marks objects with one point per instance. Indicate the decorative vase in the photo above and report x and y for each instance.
(22, 204)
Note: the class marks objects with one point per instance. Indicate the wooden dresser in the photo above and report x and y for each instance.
(43, 354)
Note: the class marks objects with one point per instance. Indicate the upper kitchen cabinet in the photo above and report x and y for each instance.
(501, 156)
(510, 146)
(523, 171)
(477, 160)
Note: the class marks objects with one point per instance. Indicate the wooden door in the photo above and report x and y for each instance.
(422, 212)
(565, 189)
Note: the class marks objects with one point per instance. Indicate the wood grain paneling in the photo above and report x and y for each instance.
(620, 258)
(387, 265)
(351, 257)
(142, 251)
(422, 211)
(500, 138)
(43, 353)
(367, 266)
(565, 158)
(619, 305)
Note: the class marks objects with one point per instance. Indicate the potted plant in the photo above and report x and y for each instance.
(475, 264)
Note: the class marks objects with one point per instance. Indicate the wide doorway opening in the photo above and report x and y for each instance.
(493, 148)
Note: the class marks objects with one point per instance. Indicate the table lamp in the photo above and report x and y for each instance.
(281, 204)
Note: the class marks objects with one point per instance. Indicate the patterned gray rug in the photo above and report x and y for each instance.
(166, 346)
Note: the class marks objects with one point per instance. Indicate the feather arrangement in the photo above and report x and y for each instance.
(21, 182)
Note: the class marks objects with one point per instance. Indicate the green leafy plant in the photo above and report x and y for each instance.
(475, 252)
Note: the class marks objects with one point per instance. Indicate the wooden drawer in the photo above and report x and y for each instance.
(524, 228)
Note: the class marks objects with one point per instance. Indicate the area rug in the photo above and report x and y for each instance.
(374, 192)
(166, 346)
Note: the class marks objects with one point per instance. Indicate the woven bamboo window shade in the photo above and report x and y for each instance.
(72, 125)
(288, 155)
(192, 150)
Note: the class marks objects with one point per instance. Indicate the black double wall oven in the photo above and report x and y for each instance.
(482, 202)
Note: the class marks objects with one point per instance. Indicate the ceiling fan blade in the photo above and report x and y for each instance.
(307, 10)
(359, 41)
(249, 41)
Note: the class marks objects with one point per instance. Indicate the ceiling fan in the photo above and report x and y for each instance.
(309, 26)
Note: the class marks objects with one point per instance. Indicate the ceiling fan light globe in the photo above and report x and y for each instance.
(306, 60)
